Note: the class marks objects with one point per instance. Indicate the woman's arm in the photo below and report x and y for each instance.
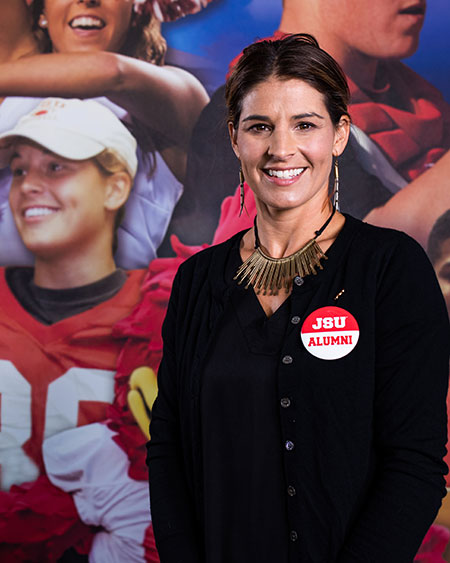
(173, 514)
(416, 207)
(165, 98)
(410, 426)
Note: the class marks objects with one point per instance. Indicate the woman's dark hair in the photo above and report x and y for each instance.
(294, 56)
(439, 234)
(144, 40)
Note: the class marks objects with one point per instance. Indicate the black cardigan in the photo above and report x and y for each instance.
(376, 482)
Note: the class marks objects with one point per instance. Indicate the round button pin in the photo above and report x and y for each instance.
(330, 333)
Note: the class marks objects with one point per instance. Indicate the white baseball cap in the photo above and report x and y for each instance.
(74, 129)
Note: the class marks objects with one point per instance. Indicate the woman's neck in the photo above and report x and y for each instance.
(68, 272)
(283, 233)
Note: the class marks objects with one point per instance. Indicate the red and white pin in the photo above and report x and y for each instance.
(330, 333)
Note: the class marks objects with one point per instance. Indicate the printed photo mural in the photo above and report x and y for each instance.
(116, 166)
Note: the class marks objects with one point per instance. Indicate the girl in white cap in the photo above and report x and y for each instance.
(73, 164)
(114, 49)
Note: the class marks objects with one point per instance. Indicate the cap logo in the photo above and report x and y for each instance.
(49, 107)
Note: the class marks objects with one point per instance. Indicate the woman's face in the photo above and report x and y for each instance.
(285, 141)
(58, 204)
(92, 25)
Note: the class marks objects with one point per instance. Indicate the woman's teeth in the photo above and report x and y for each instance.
(285, 174)
(86, 22)
(38, 211)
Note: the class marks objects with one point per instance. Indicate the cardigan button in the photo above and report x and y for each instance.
(289, 445)
(285, 402)
(293, 535)
(299, 281)
(291, 491)
(295, 320)
(287, 360)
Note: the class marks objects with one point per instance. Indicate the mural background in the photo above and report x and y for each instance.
(100, 516)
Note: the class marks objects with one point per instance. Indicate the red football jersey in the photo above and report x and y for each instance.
(55, 377)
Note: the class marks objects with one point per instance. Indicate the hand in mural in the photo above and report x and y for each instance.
(142, 395)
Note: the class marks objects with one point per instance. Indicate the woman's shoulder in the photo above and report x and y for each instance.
(393, 257)
(382, 240)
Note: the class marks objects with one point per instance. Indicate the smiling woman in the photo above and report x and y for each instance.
(309, 400)
(114, 48)
(63, 200)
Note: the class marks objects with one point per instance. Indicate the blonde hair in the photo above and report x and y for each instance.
(109, 163)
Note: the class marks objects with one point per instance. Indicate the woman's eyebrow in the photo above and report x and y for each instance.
(308, 114)
(257, 117)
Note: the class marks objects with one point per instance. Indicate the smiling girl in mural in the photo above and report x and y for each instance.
(73, 164)
(113, 48)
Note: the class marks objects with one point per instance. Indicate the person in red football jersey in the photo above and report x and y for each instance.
(73, 164)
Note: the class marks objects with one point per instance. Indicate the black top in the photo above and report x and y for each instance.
(246, 462)
(362, 435)
(49, 306)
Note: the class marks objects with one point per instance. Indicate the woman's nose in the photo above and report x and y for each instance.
(282, 144)
(31, 183)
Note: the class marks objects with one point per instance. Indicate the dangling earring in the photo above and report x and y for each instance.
(336, 185)
(241, 192)
(43, 22)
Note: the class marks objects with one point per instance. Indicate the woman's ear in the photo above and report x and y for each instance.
(117, 190)
(233, 138)
(341, 135)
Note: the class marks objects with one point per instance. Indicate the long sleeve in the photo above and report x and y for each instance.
(171, 504)
(412, 339)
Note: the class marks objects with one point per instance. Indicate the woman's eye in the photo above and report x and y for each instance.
(259, 127)
(304, 126)
(17, 172)
(55, 167)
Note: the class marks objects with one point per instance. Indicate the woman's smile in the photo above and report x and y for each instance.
(289, 174)
(101, 26)
(33, 213)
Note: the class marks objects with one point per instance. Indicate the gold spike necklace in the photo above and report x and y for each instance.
(265, 273)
